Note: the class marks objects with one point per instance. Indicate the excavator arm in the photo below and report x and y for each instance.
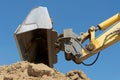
(110, 36)
(39, 43)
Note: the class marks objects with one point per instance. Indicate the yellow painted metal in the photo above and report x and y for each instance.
(104, 25)
(111, 39)
(85, 36)
(92, 34)
(99, 41)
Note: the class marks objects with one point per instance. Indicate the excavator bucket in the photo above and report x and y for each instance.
(35, 38)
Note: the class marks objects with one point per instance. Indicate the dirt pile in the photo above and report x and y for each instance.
(29, 71)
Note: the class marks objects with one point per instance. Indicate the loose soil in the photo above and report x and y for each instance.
(30, 71)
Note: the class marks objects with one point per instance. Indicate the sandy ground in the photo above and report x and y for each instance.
(29, 71)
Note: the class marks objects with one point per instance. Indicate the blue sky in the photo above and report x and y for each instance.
(76, 14)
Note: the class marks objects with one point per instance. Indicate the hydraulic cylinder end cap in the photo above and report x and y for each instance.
(68, 56)
(77, 60)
